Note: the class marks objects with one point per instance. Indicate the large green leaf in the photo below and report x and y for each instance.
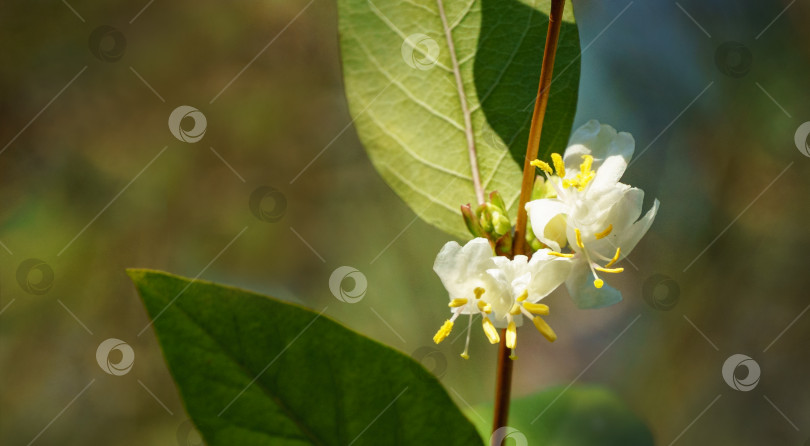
(256, 371)
(407, 109)
(574, 416)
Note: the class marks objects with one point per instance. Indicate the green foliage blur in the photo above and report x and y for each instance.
(715, 143)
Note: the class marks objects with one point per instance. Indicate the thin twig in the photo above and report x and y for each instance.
(504, 374)
(554, 22)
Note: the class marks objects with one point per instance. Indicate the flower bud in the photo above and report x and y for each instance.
(471, 220)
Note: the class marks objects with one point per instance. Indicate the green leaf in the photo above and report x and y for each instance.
(256, 371)
(576, 416)
(407, 108)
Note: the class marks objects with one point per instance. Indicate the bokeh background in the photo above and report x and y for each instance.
(93, 182)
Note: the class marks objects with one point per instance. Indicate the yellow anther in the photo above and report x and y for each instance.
(609, 270)
(455, 303)
(536, 308)
(511, 335)
(542, 165)
(478, 292)
(560, 254)
(598, 283)
(443, 332)
(544, 329)
(490, 331)
(485, 307)
(523, 296)
(559, 165)
(465, 355)
(515, 310)
(605, 233)
(615, 258)
(579, 238)
(587, 162)
(513, 355)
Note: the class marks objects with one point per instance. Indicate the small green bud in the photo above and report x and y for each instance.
(496, 200)
(542, 189)
(532, 240)
(503, 246)
(485, 218)
(501, 223)
(471, 220)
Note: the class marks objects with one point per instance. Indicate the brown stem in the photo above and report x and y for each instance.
(503, 386)
(554, 21)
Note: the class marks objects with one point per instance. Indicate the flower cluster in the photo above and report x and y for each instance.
(585, 211)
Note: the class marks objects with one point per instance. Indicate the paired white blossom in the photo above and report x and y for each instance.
(593, 213)
(586, 209)
(501, 290)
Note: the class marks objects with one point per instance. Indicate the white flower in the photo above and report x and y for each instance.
(499, 289)
(593, 213)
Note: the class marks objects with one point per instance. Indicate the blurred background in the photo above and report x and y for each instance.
(93, 182)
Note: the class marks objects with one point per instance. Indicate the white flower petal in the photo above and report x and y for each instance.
(548, 273)
(638, 229)
(583, 292)
(612, 167)
(547, 227)
(611, 152)
(461, 269)
(446, 264)
(581, 143)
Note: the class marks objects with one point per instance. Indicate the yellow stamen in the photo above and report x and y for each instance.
(490, 331)
(443, 332)
(536, 308)
(465, 355)
(598, 283)
(485, 307)
(478, 292)
(615, 258)
(609, 270)
(587, 162)
(560, 254)
(515, 310)
(513, 356)
(542, 166)
(523, 296)
(455, 303)
(604, 233)
(579, 238)
(511, 335)
(559, 165)
(544, 329)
